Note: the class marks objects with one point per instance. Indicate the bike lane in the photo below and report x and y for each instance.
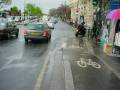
(88, 72)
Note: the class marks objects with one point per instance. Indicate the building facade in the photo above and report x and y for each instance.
(82, 10)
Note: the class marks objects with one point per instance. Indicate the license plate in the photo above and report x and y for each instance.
(35, 33)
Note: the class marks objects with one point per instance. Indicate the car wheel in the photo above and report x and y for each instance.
(8, 36)
(48, 38)
(26, 40)
(17, 35)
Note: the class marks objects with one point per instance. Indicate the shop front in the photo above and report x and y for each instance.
(111, 33)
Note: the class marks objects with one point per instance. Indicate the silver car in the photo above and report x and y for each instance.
(50, 24)
(37, 31)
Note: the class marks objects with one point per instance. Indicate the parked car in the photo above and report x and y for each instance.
(8, 29)
(26, 21)
(53, 20)
(10, 19)
(37, 31)
(17, 19)
(50, 24)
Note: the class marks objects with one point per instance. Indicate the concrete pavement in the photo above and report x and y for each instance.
(112, 62)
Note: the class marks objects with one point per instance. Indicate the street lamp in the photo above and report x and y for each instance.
(24, 10)
(77, 11)
(65, 12)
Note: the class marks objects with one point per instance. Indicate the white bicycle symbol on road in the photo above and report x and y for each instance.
(85, 62)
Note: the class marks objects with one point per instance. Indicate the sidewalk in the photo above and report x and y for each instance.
(111, 61)
(74, 68)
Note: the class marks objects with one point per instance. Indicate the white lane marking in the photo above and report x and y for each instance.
(42, 74)
(83, 63)
(68, 76)
(64, 45)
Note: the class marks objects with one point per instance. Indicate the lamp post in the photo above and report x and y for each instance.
(24, 10)
(65, 13)
(0, 7)
(77, 12)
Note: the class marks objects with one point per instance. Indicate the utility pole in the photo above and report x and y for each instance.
(24, 10)
(77, 11)
(1, 4)
(78, 4)
(65, 10)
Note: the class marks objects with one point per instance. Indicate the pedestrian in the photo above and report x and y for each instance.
(95, 33)
(117, 38)
(81, 30)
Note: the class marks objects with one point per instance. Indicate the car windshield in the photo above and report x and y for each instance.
(35, 26)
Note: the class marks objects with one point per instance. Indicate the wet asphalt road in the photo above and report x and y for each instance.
(94, 78)
(20, 64)
(89, 72)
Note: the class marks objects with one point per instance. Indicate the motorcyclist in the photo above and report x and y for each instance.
(81, 30)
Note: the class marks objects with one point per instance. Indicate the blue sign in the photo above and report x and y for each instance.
(114, 4)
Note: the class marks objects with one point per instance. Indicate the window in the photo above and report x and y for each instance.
(35, 27)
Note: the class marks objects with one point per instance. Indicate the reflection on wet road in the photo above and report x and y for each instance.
(21, 64)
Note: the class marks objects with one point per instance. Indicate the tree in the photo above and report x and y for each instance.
(33, 10)
(29, 9)
(37, 11)
(53, 12)
(63, 11)
(14, 10)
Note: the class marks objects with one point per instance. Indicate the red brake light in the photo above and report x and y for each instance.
(45, 33)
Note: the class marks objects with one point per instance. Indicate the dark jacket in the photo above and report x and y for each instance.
(81, 29)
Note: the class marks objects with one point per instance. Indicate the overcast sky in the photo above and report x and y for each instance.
(44, 4)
